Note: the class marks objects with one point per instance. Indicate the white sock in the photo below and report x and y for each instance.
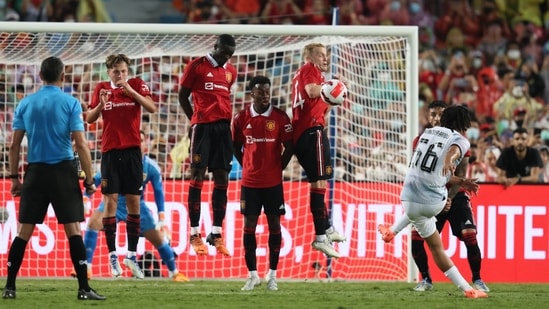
(330, 230)
(89, 266)
(454, 275)
(216, 229)
(400, 224)
(173, 273)
(321, 237)
(271, 274)
(195, 230)
(253, 273)
(131, 254)
(113, 253)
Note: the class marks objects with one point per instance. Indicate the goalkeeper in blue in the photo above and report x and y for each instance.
(157, 233)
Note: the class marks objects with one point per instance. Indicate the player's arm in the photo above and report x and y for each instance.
(13, 159)
(184, 102)
(287, 153)
(99, 98)
(313, 90)
(237, 146)
(533, 177)
(238, 138)
(452, 156)
(144, 99)
(458, 180)
(158, 188)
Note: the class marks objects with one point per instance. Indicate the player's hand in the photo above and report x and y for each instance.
(160, 225)
(90, 187)
(16, 187)
(470, 185)
(104, 95)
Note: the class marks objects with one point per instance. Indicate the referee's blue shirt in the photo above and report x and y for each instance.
(49, 116)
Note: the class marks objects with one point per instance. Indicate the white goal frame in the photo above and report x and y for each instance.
(408, 32)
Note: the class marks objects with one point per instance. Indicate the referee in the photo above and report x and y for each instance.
(50, 118)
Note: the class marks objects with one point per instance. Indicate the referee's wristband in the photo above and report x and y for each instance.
(14, 176)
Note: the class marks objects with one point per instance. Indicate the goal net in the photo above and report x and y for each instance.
(370, 135)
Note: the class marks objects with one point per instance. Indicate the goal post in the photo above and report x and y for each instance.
(372, 137)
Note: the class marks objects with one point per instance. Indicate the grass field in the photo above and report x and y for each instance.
(145, 294)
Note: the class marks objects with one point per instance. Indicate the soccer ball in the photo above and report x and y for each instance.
(333, 92)
(4, 215)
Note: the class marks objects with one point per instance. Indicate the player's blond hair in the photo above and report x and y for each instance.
(308, 50)
(114, 59)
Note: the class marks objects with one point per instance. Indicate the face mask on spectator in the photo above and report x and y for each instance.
(513, 54)
(166, 68)
(78, 69)
(428, 65)
(395, 5)
(517, 91)
(473, 133)
(27, 82)
(396, 124)
(544, 135)
(415, 8)
(384, 76)
(480, 176)
(146, 77)
(477, 63)
(167, 87)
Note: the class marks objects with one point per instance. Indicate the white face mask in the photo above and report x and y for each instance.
(166, 68)
(513, 54)
(428, 65)
(78, 69)
(517, 91)
(477, 63)
(27, 82)
(384, 76)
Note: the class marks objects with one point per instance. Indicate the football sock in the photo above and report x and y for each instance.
(216, 229)
(195, 192)
(15, 259)
(454, 275)
(133, 231)
(219, 204)
(166, 254)
(474, 256)
(109, 227)
(420, 256)
(78, 257)
(275, 239)
(90, 242)
(318, 210)
(400, 224)
(250, 245)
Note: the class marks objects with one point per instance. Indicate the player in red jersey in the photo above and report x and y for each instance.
(312, 147)
(209, 78)
(262, 140)
(119, 102)
(458, 212)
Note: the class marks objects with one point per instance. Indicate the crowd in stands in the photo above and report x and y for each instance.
(489, 55)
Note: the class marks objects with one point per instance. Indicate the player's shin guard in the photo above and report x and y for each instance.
(195, 192)
(78, 257)
(420, 255)
(167, 256)
(473, 253)
(318, 210)
(133, 229)
(109, 227)
(219, 204)
(275, 240)
(90, 242)
(250, 245)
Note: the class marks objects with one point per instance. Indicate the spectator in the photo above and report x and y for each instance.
(492, 40)
(519, 163)
(528, 70)
(419, 16)
(459, 15)
(544, 173)
(281, 12)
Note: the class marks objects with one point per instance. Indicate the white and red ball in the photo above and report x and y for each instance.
(333, 92)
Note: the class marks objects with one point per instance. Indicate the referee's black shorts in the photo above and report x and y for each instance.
(57, 184)
(313, 153)
(122, 171)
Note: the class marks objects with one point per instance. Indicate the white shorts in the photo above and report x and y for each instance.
(422, 216)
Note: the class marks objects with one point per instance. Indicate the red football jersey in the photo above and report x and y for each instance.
(211, 89)
(121, 115)
(307, 112)
(262, 136)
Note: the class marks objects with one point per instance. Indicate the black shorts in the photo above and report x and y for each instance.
(460, 215)
(212, 146)
(313, 153)
(57, 184)
(271, 199)
(122, 171)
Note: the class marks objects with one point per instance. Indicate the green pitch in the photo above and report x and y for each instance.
(164, 294)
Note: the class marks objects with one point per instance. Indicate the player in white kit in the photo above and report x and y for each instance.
(424, 193)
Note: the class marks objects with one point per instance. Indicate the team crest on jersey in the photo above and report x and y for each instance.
(104, 183)
(229, 76)
(242, 205)
(270, 125)
(196, 158)
(329, 170)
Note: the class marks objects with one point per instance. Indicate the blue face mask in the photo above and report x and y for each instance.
(395, 5)
(415, 8)
(473, 133)
(544, 135)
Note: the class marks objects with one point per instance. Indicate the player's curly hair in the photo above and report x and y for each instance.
(258, 80)
(456, 117)
(112, 60)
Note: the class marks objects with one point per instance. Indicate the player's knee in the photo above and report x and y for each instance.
(469, 237)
